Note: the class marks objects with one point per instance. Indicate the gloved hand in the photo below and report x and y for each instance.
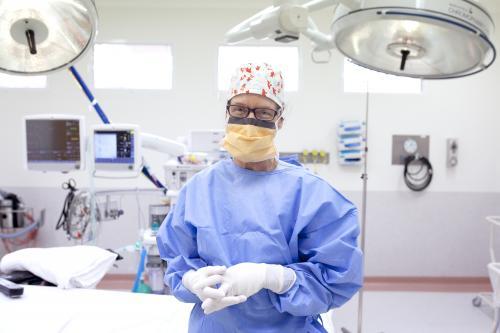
(246, 279)
(249, 278)
(210, 305)
(202, 282)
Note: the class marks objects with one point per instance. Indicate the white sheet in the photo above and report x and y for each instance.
(54, 310)
(80, 266)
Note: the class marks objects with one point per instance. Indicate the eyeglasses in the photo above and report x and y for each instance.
(240, 111)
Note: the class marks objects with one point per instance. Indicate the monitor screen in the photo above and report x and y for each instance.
(54, 141)
(115, 147)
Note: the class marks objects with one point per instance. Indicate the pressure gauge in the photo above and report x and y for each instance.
(410, 146)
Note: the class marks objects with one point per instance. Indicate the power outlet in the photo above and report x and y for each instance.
(451, 152)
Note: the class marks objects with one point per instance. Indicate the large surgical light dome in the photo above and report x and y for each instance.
(39, 36)
(431, 39)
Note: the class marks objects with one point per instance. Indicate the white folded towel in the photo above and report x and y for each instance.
(79, 266)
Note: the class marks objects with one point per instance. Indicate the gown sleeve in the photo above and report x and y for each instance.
(177, 245)
(330, 269)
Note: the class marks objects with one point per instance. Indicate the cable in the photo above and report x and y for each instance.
(19, 233)
(65, 217)
(140, 270)
(16, 238)
(413, 182)
(75, 215)
(417, 171)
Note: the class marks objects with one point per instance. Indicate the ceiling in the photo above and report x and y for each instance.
(186, 3)
(491, 5)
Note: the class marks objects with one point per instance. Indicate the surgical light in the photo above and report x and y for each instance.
(425, 39)
(421, 39)
(42, 36)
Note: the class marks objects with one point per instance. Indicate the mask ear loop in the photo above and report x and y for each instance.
(280, 118)
(278, 128)
(227, 111)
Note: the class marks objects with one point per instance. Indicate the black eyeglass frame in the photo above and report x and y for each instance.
(277, 113)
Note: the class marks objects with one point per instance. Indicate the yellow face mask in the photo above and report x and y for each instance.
(250, 140)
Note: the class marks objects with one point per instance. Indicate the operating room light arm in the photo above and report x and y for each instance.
(285, 21)
(249, 28)
(321, 41)
(162, 145)
(316, 5)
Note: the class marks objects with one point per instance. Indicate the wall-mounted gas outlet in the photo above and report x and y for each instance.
(451, 153)
(407, 145)
(310, 156)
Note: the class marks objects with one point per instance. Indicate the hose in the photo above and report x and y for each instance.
(412, 180)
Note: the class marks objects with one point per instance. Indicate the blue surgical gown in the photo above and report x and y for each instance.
(228, 215)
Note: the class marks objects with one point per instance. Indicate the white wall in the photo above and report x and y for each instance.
(465, 109)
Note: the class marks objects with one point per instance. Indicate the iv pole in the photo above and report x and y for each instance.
(364, 176)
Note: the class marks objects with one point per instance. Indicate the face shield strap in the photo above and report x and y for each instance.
(251, 121)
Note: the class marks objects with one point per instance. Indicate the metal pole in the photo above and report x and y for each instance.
(364, 176)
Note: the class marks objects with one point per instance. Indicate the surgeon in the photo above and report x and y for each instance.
(257, 244)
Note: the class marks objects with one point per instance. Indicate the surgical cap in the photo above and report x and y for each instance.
(260, 79)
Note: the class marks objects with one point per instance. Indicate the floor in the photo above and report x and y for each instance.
(414, 312)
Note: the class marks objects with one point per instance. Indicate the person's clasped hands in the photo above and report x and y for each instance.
(237, 283)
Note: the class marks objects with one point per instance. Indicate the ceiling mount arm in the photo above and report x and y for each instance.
(246, 29)
(285, 21)
(321, 41)
(316, 5)
(162, 145)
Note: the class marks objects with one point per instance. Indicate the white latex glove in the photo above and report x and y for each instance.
(210, 305)
(246, 279)
(249, 278)
(202, 282)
